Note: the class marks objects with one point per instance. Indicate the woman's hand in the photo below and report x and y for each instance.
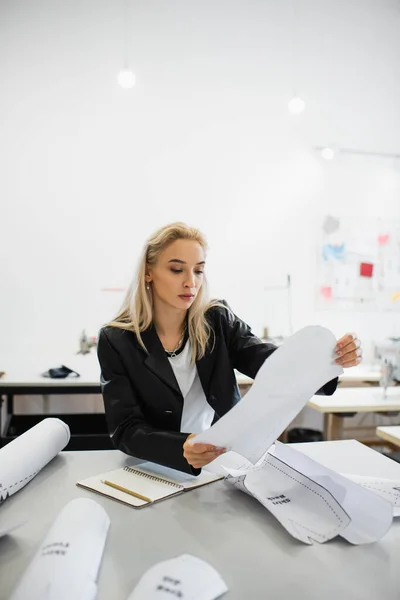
(199, 455)
(348, 351)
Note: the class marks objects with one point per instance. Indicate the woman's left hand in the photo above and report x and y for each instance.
(348, 351)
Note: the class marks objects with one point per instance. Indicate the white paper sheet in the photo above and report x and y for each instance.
(67, 563)
(371, 515)
(284, 384)
(305, 509)
(185, 577)
(312, 502)
(24, 457)
(387, 488)
(229, 460)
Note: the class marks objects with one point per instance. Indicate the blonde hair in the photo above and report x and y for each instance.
(136, 312)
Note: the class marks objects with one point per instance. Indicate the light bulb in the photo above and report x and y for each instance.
(126, 79)
(328, 153)
(296, 105)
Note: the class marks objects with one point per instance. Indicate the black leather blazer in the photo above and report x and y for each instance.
(142, 400)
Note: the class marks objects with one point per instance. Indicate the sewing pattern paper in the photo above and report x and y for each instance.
(24, 457)
(67, 563)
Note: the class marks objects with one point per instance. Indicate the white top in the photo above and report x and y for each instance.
(197, 414)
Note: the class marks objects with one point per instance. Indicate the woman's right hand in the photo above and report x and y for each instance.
(199, 455)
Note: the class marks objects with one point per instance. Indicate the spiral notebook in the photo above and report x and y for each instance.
(145, 484)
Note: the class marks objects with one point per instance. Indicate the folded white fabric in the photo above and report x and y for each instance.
(24, 457)
(185, 577)
(67, 563)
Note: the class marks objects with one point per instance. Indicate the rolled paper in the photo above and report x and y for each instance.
(24, 457)
(67, 563)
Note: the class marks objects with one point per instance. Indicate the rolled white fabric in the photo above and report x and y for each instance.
(67, 563)
(24, 457)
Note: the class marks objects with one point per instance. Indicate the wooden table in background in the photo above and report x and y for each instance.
(350, 401)
(390, 434)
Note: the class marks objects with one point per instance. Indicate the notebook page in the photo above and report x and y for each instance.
(153, 490)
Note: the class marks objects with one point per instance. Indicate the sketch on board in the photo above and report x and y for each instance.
(358, 264)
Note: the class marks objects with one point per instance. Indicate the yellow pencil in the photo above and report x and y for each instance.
(122, 489)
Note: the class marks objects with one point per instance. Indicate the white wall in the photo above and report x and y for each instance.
(89, 170)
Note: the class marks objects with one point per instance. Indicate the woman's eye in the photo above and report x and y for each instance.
(180, 271)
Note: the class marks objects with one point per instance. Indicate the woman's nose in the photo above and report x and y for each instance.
(190, 281)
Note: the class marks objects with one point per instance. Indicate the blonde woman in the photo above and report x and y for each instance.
(168, 358)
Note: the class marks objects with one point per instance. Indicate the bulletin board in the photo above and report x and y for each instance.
(358, 264)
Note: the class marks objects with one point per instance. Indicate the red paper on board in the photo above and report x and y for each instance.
(326, 292)
(383, 239)
(366, 270)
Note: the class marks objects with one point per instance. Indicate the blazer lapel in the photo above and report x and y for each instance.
(157, 361)
(205, 367)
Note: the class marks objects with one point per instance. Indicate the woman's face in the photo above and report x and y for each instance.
(177, 275)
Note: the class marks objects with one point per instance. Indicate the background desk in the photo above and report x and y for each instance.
(347, 402)
(23, 379)
(256, 557)
(363, 375)
(389, 434)
(89, 429)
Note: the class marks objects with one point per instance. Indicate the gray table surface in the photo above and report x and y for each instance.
(253, 553)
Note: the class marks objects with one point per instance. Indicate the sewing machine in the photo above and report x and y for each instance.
(388, 354)
(86, 343)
